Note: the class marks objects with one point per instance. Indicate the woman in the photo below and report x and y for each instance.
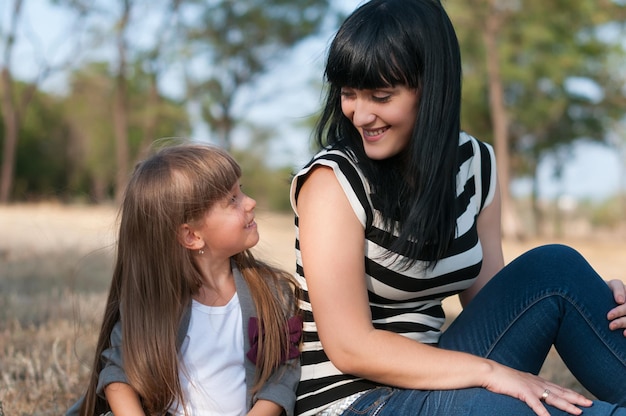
(401, 209)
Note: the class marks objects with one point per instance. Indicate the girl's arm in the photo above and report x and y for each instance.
(265, 408)
(332, 244)
(280, 388)
(123, 400)
(112, 381)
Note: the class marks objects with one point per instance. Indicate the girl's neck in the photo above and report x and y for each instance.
(218, 284)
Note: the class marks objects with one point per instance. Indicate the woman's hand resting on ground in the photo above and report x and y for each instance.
(617, 315)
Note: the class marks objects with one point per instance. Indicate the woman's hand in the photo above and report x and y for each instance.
(534, 391)
(617, 315)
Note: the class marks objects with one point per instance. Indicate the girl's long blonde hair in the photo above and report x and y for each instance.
(155, 278)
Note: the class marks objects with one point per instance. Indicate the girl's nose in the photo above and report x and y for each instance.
(250, 203)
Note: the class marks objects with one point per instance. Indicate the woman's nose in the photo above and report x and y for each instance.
(362, 114)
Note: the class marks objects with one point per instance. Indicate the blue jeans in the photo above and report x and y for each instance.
(548, 296)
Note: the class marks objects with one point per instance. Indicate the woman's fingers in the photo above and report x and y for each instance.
(617, 315)
(559, 397)
(537, 392)
(619, 291)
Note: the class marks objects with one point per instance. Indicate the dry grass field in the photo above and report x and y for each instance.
(55, 264)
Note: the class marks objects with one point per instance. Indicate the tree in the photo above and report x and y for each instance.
(236, 42)
(9, 110)
(14, 104)
(530, 56)
(41, 155)
(142, 43)
(87, 109)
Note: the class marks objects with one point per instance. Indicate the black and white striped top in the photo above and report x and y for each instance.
(407, 302)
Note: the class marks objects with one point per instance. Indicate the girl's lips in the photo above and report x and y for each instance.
(251, 224)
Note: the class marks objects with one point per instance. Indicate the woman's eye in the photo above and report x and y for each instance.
(381, 98)
(346, 94)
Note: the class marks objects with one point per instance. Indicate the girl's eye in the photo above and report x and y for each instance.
(232, 199)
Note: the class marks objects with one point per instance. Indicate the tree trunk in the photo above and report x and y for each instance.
(11, 128)
(120, 110)
(150, 118)
(511, 227)
(9, 112)
(538, 213)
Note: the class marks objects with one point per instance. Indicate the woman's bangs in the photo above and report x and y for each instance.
(364, 68)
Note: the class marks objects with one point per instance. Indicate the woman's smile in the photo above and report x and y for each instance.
(373, 135)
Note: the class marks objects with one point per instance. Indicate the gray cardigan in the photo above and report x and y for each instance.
(280, 388)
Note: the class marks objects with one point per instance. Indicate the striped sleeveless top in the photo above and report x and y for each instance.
(408, 302)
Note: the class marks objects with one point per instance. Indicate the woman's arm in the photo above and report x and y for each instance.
(332, 246)
(490, 235)
(123, 400)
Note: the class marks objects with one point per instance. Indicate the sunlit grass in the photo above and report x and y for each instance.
(50, 312)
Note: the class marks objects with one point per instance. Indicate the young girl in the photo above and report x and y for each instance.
(194, 324)
(399, 210)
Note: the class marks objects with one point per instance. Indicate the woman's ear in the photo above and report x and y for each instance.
(188, 238)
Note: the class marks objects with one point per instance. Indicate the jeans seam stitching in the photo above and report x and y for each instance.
(571, 302)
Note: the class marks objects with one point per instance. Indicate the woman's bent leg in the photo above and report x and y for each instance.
(548, 296)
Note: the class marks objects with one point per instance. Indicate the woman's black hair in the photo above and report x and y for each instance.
(410, 43)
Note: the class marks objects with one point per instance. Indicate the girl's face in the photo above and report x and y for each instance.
(228, 227)
(384, 117)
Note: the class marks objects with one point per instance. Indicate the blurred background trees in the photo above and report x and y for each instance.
(115, 108)
(539, 76)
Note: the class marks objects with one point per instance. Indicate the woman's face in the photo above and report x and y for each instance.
(384, 117)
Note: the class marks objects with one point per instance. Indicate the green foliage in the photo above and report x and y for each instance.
(66, 147)
(242, 41)
(547, 49)
(89, 113)
(41, 154)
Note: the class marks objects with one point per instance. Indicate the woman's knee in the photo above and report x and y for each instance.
(555, 263)
(556, 256)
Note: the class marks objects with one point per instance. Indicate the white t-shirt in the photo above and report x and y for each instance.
(212, 373)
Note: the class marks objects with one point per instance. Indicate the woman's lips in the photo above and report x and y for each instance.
(374, 134)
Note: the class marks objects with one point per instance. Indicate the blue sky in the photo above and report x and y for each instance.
(593, 171)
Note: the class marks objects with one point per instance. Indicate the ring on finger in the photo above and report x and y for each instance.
(544, 395)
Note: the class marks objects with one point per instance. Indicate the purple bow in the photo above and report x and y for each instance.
(295, 331)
